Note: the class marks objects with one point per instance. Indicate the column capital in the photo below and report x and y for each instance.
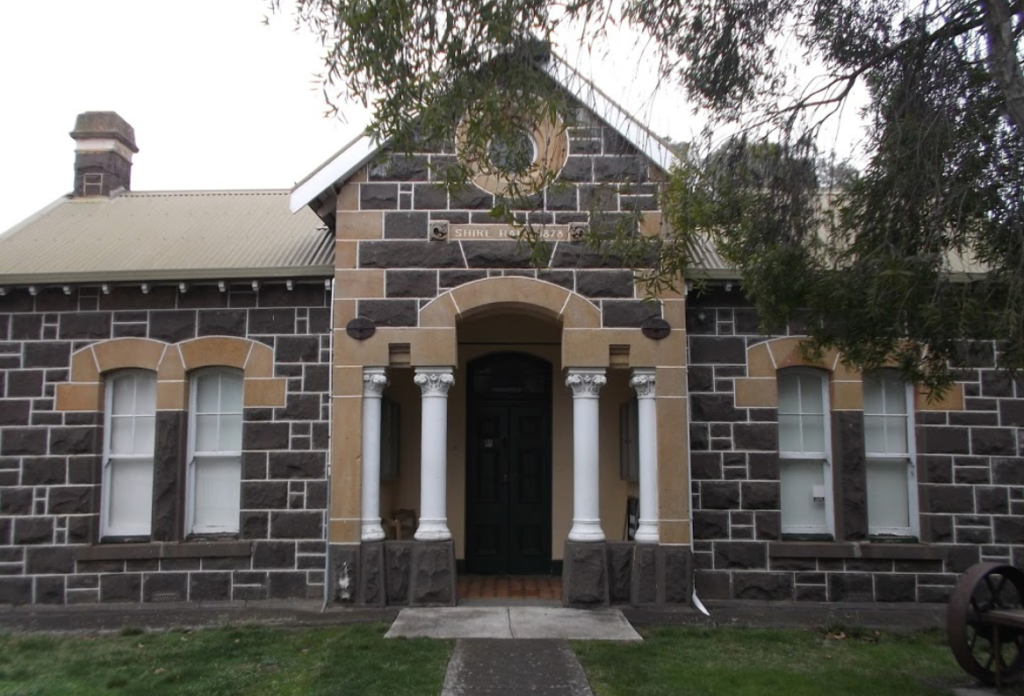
(585, 383)
(643, 382)
(434, 381)
(375, 379)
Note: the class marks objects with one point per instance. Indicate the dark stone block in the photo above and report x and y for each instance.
(712, 584)
(710, 525)
(26, 327)
(471, 198)
(297, 465)
(172, 326)
(585, 574)
(83, 529)
(71, 500)
(760, 495)
(22, 384)
(288, 585)
(405, 225)
(850, 587)
(401, 254)
(451, 279)
(994, 441)
(397, 559)
(935, 469)
(378, 196)
(343, 572)
(83, 325)
(300, 407)
(497, 255)
(390, 312)
(44, 471)
(1008, 471)
(991, 500)
(1009, 530)
(740, 554)
(973, 535)
(620, 168)
(372, 576)
(51, 560)
(940, 440)
(401, 168)
(960, 558)
(430, 197)
(432, 571)
(705, 465)
(768, 526)
(1011, 413)
(47, 354)
(948, 499)
(715, 350)
(675, 578)
(565, 279)
(715, 495)
(17, 442)
(643, 576)
(225, 322)
(316, 378)
(49, 590)
(33, 530)
(605, 283)
(620, 556)
(265, 436)
(936, 529)
(763, 586)
(850, 468)
(263, 495)
(121, 587)
(273, 554)
(5, 530)
(279, 320)
(296, 525)
(715, 407)
(74, 441)
(316, 495)
(293, 349)
(755, 436)
(204, 587)
(996, 384)
(165, 587)
(411, 284)
(700, 379)
(15, 591)
(627, 313)
(577, 169)
(763, 466)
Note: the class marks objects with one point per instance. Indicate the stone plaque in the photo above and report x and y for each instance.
(500, 232)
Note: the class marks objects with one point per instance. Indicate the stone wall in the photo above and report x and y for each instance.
(50, 453)
(970, 481)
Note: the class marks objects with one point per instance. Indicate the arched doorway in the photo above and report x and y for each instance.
(508, 465)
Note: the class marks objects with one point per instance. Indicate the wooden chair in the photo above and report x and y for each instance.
(402, 524)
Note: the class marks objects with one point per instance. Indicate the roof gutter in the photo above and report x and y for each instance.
(180, 274)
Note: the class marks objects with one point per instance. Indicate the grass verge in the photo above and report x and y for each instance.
(253, 661)
(754, 662)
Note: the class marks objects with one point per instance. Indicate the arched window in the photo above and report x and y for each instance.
(805, 453)
(889, 450)
(214, 452)
(128, 437)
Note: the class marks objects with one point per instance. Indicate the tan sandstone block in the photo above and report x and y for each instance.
(440, 312)
(580, 313)
(432, 347)
(584, 348)
(345, 531)
(260, 362)
(489, 293)
(757, 393)
(346, 465)
(673, 468)
(670, 381)
(219, 351)
(79, 397)
(846, 396)
(125, 353)
(363, 225)
(172, 369)
(83, 366)
(367, 283)
(265, 392)
(952, 400)
(760, 362)
(653, 224)
(348, 197)
(348, 381)
(674, 531)
(344, 312)
(346, 254)
(172, 395)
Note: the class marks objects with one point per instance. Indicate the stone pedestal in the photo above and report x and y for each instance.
(343, 573)
(397, 561)
(372, 578)
(661, 575)
(432, 574)
(585, 574)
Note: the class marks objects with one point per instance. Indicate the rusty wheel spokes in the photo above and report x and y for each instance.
(982, 643)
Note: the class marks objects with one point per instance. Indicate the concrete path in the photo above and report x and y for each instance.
(514, 668)
(513, 622)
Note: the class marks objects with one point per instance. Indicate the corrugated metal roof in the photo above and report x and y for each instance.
(167, 235)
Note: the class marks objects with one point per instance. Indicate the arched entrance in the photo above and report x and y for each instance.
(508, 465)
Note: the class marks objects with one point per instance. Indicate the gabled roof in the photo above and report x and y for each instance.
(174, 235)
(356, 154)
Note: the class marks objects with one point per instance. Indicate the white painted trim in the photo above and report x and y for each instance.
(190, 495)
(108, 459)
(338, 168)
(824, 457)
(913, 513)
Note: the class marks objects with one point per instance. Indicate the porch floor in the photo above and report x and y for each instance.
(510, 587)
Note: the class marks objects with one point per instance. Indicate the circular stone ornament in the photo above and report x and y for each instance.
(655, 328)
(521, 163)
(360, 328)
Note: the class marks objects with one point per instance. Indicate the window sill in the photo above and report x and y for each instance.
(903, 551)
(161, 550)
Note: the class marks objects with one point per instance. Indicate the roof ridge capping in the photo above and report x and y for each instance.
(359, 151)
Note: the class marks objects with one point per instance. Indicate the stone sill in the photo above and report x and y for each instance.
(887, 551)
(160, 550)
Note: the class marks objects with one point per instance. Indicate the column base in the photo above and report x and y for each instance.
(372, 530)
(586, 531)
(432, 530)
(432, 574)
(585, 574)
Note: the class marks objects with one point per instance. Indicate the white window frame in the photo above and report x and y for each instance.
(109, 458)
(824, 457)
(911, 458)
(190, 496)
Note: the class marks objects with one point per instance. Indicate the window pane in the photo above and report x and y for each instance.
(811, 394)
(888, 495)
(207, 393)
(206, 433)
(873, 402)
(145, 394)
(814, 433)
(789, 401)
(121, 433)
(217, 493)
(230, 393)
(144, 434)
(124, 395)
(874, 433)
(789, 433)
(130, 497)
(896, 434)
(230, 434)
(800, 513)
(895, 396)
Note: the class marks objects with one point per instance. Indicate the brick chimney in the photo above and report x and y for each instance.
(104, 144)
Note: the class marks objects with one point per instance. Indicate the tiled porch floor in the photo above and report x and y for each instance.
(510, 587)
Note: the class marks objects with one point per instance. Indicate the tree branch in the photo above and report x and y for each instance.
(1002, 59)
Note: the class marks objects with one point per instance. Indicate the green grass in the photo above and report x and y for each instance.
(335, 661)
(755, 662)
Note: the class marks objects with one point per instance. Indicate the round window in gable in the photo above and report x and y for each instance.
(521, 161)
(513, 154)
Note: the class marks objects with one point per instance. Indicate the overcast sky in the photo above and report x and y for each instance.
(218, 100)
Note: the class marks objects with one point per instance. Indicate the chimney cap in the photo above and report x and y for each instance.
(104, 124)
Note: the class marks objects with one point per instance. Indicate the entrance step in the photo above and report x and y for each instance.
(513, 622)
(514, 668)
(541, 587)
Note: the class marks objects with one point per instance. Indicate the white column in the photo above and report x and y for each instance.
(374, 381)
(434, 383)
(586, 515)
(647, 432)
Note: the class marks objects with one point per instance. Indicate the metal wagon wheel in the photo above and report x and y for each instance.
(988, 652)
